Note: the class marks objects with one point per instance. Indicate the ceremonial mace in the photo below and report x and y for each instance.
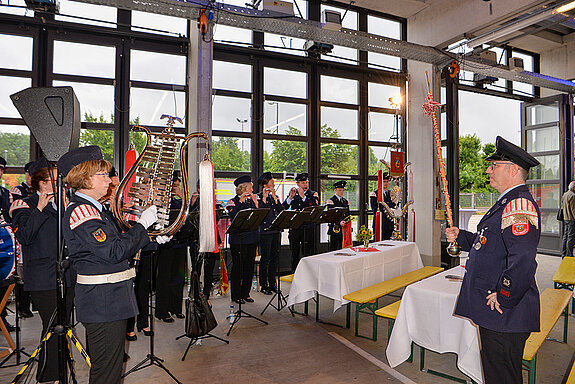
(429, 108)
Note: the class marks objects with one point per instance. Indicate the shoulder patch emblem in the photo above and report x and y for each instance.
(519, 211)
(99, 235)
(520, 228)
(17, 204)
(83, 213)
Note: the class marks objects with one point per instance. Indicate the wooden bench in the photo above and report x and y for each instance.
(554, 302)
(366, 298)
(571, 378)
(564, 277)
(390, 312)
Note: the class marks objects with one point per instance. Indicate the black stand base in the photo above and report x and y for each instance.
(194, 339)
(241, 313)
(149, 361)
(18, 351)
(282, 302)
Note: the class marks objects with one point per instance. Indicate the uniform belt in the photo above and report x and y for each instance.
(109, 278)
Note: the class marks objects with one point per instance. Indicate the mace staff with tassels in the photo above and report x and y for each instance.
(429, 108)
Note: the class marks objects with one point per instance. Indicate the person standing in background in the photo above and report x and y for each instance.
(568, 208)
(387, 225)
(335, 229)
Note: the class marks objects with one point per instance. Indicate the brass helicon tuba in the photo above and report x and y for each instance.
(154, 170)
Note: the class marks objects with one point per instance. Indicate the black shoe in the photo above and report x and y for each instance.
(168, 319)
(148, 332)
(249, 300)
(131, 337)
(180, 316)
(25, 314)
(239, 301)
(273, 289)
(266, 291)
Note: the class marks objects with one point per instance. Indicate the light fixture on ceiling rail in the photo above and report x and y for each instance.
(517, 25)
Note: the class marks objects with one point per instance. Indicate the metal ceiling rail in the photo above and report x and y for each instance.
(261, 21)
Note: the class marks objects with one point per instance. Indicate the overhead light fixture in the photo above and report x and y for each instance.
(508, 29)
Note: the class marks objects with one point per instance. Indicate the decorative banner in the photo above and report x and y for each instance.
(377, 227)
(224, 284)
(347, 235)
(396, 167)
(380, 186)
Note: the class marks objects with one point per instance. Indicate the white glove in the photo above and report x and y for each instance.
(149, 216)
(163, 239)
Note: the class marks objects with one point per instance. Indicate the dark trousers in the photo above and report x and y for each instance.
(386, 227)
(105, 343)
(243, 259)
(142, 288)
(170, 281)
(209, 260)
(300, 240)
(335, 241)
(269, 251)
(501, 356)
(568, 238)
(45, 303)
(22, 296)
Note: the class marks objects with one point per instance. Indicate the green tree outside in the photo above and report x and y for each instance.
(472, 176)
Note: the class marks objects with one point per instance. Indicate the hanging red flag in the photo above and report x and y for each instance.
(347, 235)
(224, 284)
(377, 227)
(396, 167)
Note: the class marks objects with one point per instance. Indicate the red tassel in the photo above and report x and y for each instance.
(377, 229)
(380, 186)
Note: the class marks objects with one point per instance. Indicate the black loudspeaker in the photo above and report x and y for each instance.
(53, 117)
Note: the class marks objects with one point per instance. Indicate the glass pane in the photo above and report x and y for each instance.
(549, 222)
(374, 156)
(540, 114)
(231, 154)
(231, 114)
(161, 24)
(339, 90)
(16, 52)
(522, 88)
(547, 170)
(96, 101)
(339, 123)
(9, 86)
(17, 11)
(232, 76)
(351, 192)
(387, 28)
(88, 59)
(153, 67)
(382, 127)
(15, 144)
(147, 105)
(381, 61)
(285, 156)
(285, 118)
(284, 44)
(543, 139)
(546, 195)
(379, 95)
(102, 138)
(339, 159)
(285, 83)
(230, 35)
(89, 11)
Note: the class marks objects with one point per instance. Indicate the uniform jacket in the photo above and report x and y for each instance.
(568, 205)
(386, 222)
(502, 259)
(20, 191)
(234, 207)
(37, 233)
(297, 203)
(336, 202)
(5, 201)
(97, 247)
(275, 208)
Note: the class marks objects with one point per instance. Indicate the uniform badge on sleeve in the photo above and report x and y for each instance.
(520, 228)
(99, 235)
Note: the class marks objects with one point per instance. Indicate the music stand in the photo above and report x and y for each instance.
(285, 220)
(246, 220)
(313, 215)
(333, 216)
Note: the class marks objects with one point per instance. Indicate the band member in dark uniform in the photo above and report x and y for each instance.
(301, 239)
(336, 201)
(243, 245)
(269, 240)
(5, 201)
(386, 222)
(172, 267)
(499, 292)
(19, 192)
(100, 255)
(35, 223)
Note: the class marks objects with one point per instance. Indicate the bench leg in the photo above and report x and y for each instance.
(347, 314)
(436, 373)
(372, 307)
(565, 323)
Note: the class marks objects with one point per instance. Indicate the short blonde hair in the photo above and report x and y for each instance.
(240, 189)
(79, 176)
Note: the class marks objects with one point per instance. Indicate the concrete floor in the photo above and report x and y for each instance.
(293, 349)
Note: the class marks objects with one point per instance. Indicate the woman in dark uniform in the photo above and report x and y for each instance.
(35, 221)
(243, 245)
(100, 254)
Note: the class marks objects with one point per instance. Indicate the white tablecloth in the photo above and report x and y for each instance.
(426, 317)
(333, 275)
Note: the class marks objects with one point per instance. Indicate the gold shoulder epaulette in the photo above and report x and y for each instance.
(519, 210)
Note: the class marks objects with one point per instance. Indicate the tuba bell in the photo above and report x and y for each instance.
(153, 172)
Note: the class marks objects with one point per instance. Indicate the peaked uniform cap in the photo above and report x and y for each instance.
(507, 151)
(78, 156)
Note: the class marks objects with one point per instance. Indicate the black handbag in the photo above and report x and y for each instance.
(200, 319)
(560, 214)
